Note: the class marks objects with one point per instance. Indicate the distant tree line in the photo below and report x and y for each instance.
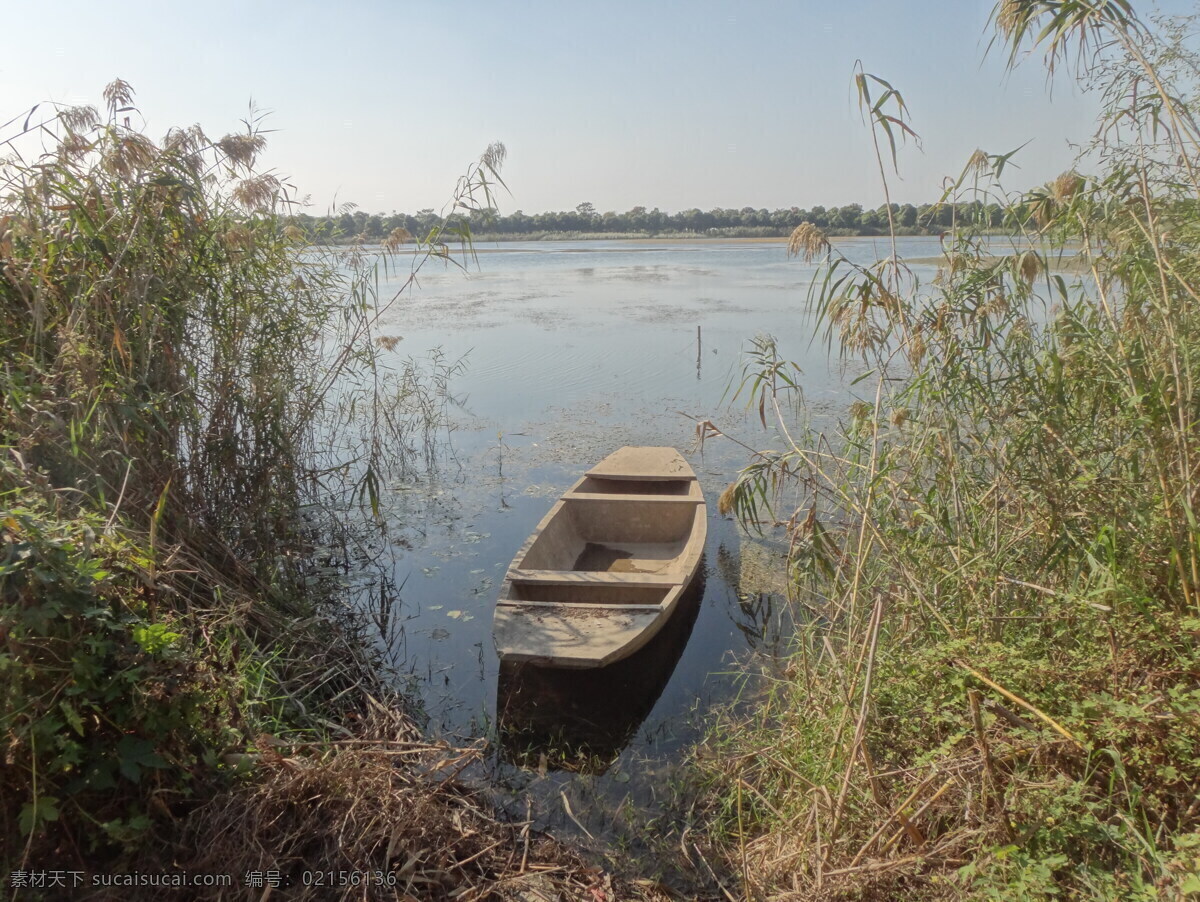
(851, 219)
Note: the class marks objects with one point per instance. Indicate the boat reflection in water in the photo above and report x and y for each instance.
(580, 720)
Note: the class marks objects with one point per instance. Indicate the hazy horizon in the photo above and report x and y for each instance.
(706, 105)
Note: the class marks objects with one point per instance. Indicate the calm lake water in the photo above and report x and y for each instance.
(573, 349)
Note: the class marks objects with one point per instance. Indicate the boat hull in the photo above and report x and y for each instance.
(607, 565)
(581, 719)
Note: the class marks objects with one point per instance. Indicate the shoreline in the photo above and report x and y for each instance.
(493, 245)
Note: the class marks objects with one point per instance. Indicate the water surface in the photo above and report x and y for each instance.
(572, 350)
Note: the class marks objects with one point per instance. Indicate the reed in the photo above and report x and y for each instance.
(175, 512)
(995, 695)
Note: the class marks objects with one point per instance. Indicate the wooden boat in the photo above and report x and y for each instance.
(607, 565)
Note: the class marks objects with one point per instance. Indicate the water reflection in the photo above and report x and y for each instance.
(756, 570)
(581, 720)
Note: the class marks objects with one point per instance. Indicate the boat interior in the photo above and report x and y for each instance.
(613, 542)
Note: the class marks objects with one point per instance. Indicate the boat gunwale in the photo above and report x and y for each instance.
(590, 605)
(573, 495)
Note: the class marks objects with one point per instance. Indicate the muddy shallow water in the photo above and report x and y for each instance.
(572, 350)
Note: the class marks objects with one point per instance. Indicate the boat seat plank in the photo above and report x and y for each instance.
(651, 499)
(643, 464)
(589, 605)
(573, 637)
(593, 577)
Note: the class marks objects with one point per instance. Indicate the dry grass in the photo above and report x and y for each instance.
(379, 800)
(384, 803)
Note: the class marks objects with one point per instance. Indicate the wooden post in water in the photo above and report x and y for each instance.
(697, 353)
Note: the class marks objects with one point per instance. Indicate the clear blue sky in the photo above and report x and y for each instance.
(667, 104)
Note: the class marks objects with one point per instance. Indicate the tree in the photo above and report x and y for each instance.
(587, 212)
(846, 217)
(426, 220)
(869, 221)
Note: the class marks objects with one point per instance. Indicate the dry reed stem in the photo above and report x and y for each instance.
(350, 807)
(869, 647)
(886, 822)
(981, 736)
(713, 875)
(917, 814)
(1054, 724)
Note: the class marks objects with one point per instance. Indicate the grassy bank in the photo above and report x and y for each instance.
(997, 695)
(181, 689)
